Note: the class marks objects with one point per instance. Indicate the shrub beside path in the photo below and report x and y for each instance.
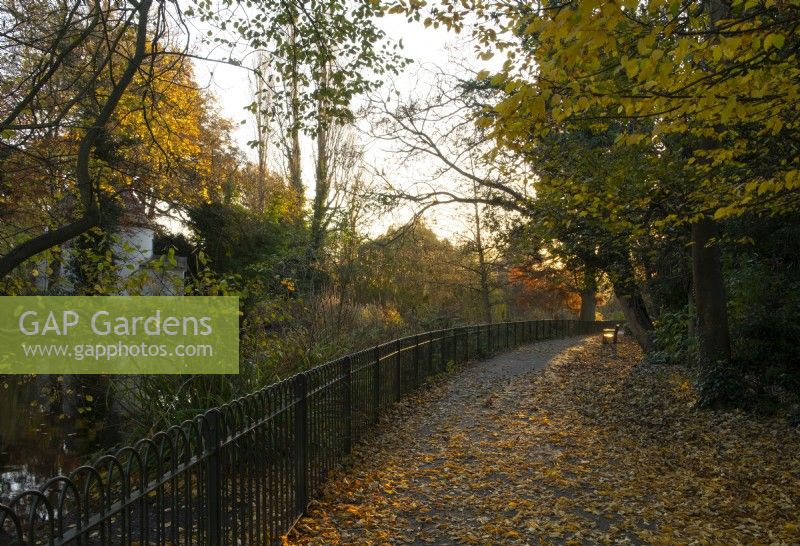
(562, 442)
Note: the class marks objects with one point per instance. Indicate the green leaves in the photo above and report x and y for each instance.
(303, 41)
(774, 41)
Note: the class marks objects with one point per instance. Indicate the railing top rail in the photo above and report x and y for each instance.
(189, 452)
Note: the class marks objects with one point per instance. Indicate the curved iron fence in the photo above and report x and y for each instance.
(244, 472)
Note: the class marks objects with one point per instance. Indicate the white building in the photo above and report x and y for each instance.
(139, 270)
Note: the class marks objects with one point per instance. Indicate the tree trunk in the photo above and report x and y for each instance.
(709, 293)
(322, 176)
(295, 173)
(709, 286)
(637, 318)
(263, 101)
(588, 296)
(632, 302)
(588, 305)
(483, 267)
(84, 181)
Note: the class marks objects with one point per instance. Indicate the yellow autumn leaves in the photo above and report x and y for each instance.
(171, 135)
(594, 449)
(671, 70)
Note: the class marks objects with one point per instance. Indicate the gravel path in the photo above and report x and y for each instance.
(478, 384)
(452, 437)
(426, 483)
(563, 442)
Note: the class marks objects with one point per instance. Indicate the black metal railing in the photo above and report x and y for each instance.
(244, 472)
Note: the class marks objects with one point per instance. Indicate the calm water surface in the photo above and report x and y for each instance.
(44, 434)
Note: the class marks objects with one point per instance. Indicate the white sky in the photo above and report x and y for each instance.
(426, 47)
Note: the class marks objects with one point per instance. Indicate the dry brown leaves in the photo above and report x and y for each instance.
(592, 450)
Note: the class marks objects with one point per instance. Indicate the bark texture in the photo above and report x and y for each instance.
(588, 295)
(638, 319)
(709, 293)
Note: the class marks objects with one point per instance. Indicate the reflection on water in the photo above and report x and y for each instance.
(49, 426)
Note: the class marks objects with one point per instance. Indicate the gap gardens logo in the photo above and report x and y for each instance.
(119, 335)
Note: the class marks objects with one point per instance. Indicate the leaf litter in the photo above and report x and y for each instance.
(593, 448)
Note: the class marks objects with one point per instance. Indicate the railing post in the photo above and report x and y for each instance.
(301, 443)
(376, 385)
(398, 385)
(417, 379)
(347, 405)
(213, 479)
(429, 367)
(442, 351)
(454, 354)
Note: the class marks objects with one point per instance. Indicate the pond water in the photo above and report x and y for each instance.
(46, 430)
